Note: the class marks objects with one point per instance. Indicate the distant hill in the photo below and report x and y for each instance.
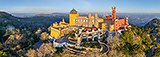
(45, 20)
(6, 15)
(8, 19)
(53, 14)
(29, 22)
(154, 26)
(155, 23)
(23, 14)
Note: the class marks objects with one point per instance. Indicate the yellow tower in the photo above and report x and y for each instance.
(72, 17)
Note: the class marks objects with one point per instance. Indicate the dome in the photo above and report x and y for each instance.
(73, 11)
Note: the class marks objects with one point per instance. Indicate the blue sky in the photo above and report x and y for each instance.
(49, 6)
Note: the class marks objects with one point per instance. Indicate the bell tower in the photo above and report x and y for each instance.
(114, 12)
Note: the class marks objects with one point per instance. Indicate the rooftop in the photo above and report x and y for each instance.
(73, 11)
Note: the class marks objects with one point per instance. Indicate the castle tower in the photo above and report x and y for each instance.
(72, 17)
(114, 12)
(126, 21)
(89, 15)
(96, 16)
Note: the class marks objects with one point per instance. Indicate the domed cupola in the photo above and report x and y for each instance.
(73, 11)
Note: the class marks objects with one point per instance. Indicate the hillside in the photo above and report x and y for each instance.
(154, 28)
(6, 15)
(155, 23)
(33, 42)
(8, 19)
(29, 22)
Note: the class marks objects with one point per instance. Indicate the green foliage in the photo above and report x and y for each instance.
(1, 32)
(136, 40)
(128, 37)
(18, 40)
(156, 53)
(153, 23)
(56, 55)
(91, 44)
(6, 54)
(6, 33)
(44, 36)
(132, 49)
(59, 49)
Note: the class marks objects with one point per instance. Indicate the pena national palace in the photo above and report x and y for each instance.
(88, 25)
(80, 30)
(91, 29)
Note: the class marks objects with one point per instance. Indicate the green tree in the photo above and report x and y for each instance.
(6, 54)
(44, 36)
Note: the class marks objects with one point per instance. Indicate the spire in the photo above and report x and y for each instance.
(89, 15)
(63, 20)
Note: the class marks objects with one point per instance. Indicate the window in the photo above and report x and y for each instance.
(116, 24)
(86, 20)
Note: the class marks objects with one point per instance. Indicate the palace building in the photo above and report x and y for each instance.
(110, 23)
(59, 29)
(113, 22)
(86, 21)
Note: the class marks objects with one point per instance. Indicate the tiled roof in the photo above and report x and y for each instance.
(90, 28)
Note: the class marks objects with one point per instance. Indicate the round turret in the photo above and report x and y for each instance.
(126, 17)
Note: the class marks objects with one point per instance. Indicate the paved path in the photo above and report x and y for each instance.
(104, 47)
(151, 52)
(63, 39)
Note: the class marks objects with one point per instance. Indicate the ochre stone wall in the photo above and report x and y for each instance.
(72, 19)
